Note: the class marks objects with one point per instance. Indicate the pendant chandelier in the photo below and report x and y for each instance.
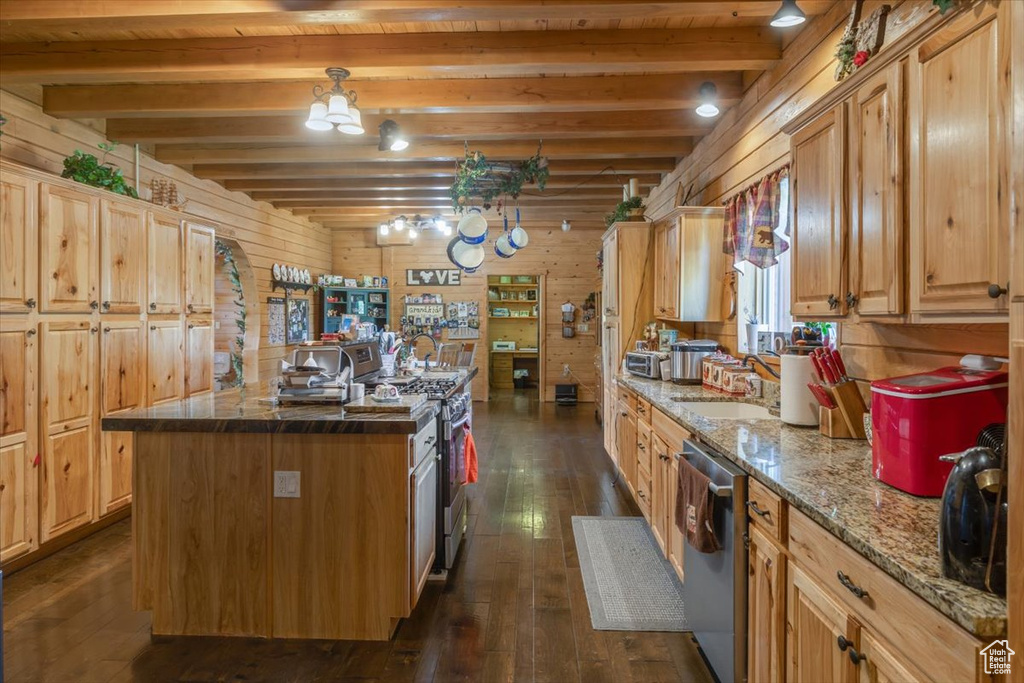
(335, 107)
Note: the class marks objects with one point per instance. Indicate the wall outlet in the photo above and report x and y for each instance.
(565, 370)
(286, 484)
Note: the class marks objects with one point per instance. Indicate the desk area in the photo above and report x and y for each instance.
(505, 362)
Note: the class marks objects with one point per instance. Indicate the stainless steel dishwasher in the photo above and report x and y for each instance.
(715, 584)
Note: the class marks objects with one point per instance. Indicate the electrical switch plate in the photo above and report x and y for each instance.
(286, 484)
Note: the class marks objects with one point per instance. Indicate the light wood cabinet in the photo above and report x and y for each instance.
(666, 269)
(18, 249)
(164, 264)
(815, 623)
(626, 431)
(122, 257)
(67, 406)
(165, 370)
(115, 471)
(200, 259)
(610, 273)
(68, 250)
(122, 354)
(816, 184)
(423, 532)
(883, 665)
(766, 609)
(198, 356)
(18, 428)
(876, 196)
(661, 485)
(959, 215)
(674, 537)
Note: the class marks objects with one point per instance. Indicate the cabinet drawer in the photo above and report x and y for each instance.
(503, 360)
(767, 511)
(423, 443)
(643, 493)
(643, 409)
(627, 396)
(643, 447)
(911, 625)
(670, 431)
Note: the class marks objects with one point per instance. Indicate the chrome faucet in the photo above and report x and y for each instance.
(760, 361)
(433, 341)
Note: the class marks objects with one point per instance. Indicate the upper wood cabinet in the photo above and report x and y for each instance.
(198, 356)
(610, 273)
(876, 196)
(18, 441)
(68, 250)
(164, 264)
(959, 215)
(165, 370)
(122, 256)
(817, 189)
(199, 268)
(18, 249)
(666, 269)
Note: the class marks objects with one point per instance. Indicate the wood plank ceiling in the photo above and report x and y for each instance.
(223, 87)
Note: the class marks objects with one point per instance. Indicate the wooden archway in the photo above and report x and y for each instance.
(226, 310)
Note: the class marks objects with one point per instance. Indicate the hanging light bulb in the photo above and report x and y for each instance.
(400, 223)
(708, 97)
(318, 117)
(441, 224)
(384, 229)
(788, 15)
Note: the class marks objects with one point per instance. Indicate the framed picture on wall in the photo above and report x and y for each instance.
(275, 321)
(297, 320)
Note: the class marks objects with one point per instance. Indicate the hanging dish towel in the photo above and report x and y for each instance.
(694, 508)
(470, 454)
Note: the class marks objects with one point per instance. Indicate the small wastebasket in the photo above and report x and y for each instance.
(520, 378)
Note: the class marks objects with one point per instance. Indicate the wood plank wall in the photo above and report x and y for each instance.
(566, 260)
(267, 235)
(748, 143)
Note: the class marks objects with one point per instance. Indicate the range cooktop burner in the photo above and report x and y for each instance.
(433, 388)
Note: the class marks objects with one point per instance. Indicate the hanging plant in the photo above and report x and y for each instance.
(944, 5)
(476, 177)
(623, 210)
(88, 170)
(225, 252)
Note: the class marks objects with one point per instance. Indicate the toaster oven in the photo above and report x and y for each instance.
(644, 363)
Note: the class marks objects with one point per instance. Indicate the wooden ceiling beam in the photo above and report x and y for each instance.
(398, 196)
(618, 168)
(355, 185)
(450, 95)
(406, 55)
(445, 209)
(84, 16)
(510, 126)
(578, 223)
(429, 151)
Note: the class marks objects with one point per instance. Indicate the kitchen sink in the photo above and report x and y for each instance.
(725, 409)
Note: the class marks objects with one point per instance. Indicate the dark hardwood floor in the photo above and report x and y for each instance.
(514, 607)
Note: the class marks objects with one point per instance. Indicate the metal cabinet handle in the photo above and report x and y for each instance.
(429, 441)
(752, 505)
(833, 302)
(850, 585)
(106, 305)
(641, 494)
(844, 643)
(641, 447)
(152, 306)
(30, 333)
(152, 327)
(191, 308)
(94, 330)
(851, 300)
(30, 303)
(624, 413)
(106, 330)
(191, 325)
(94, 305)
(995, 291)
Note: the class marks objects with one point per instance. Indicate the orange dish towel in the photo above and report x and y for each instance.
(471, 462)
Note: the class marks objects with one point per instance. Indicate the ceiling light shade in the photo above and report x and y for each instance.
(566, 225)
(399, 144)
(789, 14)
(473, 227)
(391, 137)
(384, 229)
(337, 110)
(708, 100)
(412, 232)
(354, 126)
(318, 117)
(400, 223)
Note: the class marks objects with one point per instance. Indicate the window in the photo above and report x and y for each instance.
(763, 294)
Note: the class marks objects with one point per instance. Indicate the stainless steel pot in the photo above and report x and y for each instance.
(688, 359)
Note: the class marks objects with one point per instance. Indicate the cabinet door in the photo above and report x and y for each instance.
(18, 250)
(959, 205)
(165, 361)
(610, 423)
(122, 257)
(876, 195)
(814, 624)
(424, 523)
(627, 447)
(766, 609)
(610, 274)
(68, 250)
(882, 664)
(199, 264)
(674, 537)
(817, 195)
(164, 264)
(666, 270)
(67, 496)
(659, 492)
(121, 358)
(18, 466)
(199, 356)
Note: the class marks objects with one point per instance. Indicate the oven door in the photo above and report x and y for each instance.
(456, 459)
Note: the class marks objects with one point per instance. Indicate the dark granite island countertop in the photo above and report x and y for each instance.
(243, 411)
(830, 481)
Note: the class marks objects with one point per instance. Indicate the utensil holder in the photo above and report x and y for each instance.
(850, 404)
(832, 424)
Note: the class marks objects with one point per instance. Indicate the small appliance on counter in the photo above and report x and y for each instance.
(645, 363)
(503, 346)
(688, 359)
(317, 374)
(918, 418)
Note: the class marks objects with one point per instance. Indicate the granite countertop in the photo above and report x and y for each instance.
(830, 481)
(238, 410)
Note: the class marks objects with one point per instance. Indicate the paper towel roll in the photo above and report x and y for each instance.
(798, 405)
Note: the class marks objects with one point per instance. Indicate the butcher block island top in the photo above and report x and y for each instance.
(280, 521)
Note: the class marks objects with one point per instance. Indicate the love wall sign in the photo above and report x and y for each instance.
(439, 277)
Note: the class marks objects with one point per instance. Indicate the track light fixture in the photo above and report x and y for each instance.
(788, 15)
(708, 100)
(335, 107)
(391, 138)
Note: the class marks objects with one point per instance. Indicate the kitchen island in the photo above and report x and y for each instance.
(280, 521)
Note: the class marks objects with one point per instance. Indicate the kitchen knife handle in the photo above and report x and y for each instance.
(840, 365)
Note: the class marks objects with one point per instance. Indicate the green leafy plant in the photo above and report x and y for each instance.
(475, 176)
(225, 252)
(88, 170)
(944, 5)
(623, 209)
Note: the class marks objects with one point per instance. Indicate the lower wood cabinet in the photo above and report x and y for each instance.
(815, 624)
(166, 372)
(626, 445)
(67, 481)
(198, 356)
(661, 484)
(17, 501)
(18, 442)
(423, 532)
(115, 471)
(766, 608)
